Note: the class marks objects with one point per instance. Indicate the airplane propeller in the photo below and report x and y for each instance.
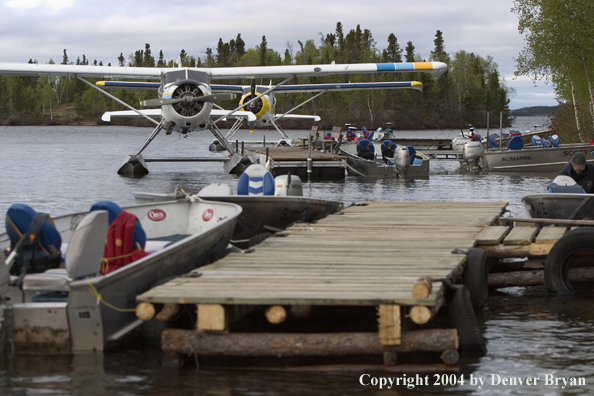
(188, 99)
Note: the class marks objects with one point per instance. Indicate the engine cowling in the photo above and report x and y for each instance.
(259, 107)
(185, 115)
(472, 152)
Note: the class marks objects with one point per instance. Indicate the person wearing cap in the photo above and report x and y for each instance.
(581, 171)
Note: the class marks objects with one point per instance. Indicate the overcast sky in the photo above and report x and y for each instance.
(101, 30)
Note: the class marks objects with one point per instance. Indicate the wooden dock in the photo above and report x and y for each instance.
(361, 256)
(293, 159)
(371, 255)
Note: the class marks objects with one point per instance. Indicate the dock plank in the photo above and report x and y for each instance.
(549, 235)
(520, 236)
(492, 235)
(367, 255)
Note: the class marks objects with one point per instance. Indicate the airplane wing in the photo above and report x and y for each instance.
(156, 113)
(349, 86)
(153, 86)
(32, 69)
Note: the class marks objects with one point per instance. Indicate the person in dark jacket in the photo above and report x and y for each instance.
(581, 171)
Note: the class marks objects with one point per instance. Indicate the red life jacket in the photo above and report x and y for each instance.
(119, 246)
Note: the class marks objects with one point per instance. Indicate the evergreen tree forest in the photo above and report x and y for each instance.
(463, 95)
(560, 50)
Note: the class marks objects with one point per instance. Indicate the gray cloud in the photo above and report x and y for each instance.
(103, 29)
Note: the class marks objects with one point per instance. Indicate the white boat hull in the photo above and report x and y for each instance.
(535, 159)
(203, 230)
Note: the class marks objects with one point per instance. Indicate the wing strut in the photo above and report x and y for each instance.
(299, 105)
(151, 137)
(118, 100)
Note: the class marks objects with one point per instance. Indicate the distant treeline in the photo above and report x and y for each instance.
(535, 111)
(463, 95)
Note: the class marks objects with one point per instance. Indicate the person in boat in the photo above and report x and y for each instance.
(581, 171)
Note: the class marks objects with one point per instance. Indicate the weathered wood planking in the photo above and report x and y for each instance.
(520, 235)
(550, 234)
(366, 255)
(492, 235)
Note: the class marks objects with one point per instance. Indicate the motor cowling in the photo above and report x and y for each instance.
(458, 143)
(259, 107)
(472, 151)
(401, 160)
(189, 114)
(288, 185)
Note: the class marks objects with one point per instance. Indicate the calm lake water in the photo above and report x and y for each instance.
(64, 169)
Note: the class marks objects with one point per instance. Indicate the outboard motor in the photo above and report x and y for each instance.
(288, 185)
(565, 185)
(472, 152)
(401, 160)
(378, 134)
(458, 143)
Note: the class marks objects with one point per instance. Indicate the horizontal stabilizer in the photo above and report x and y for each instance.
(153, 113)
(297, 116)
(238, 114)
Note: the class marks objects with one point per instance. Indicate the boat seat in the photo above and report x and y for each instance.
(114, 210)
(515, 143)
(83, 257)
(256, 180)
(19, 219)
(554, 141)
(365, 149)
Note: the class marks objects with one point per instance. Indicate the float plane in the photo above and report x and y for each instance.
(186, 95)
(264, 103)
